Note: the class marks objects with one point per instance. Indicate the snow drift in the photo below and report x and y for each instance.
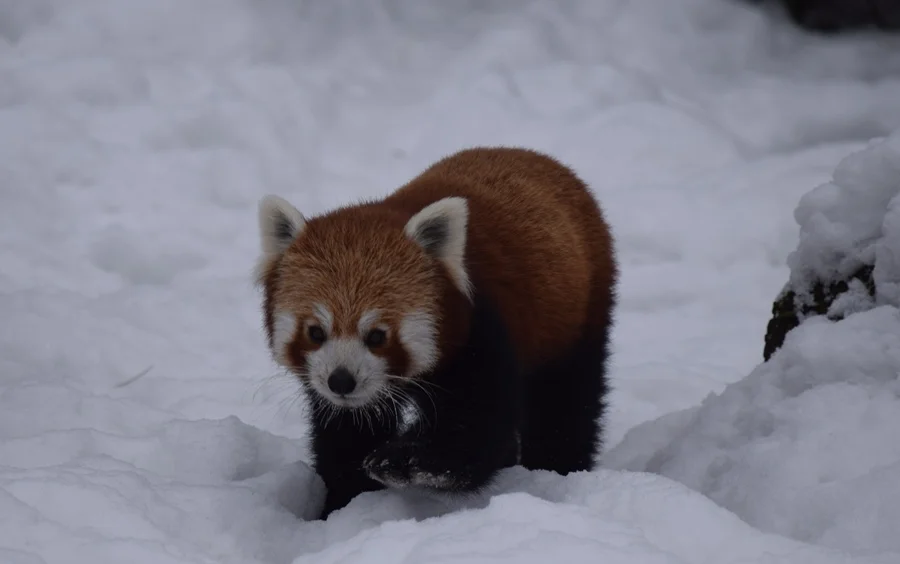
(805, 445)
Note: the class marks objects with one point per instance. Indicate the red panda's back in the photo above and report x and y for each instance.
(537, 241)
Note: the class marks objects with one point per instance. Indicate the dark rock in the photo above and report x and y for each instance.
(795, 304)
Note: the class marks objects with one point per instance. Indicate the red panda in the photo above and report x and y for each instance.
(480, 295)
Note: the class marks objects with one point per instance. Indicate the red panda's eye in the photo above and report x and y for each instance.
(375, 338)
(316, 334)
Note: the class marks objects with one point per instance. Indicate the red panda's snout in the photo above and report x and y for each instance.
(367, 365)
(347, 372)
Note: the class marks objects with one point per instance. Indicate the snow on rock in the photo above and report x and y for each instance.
(805, 445)
(847, 258)
(853, 221)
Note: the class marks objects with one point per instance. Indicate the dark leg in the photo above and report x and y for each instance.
(339, 445)
(565, 404)
(470, 419)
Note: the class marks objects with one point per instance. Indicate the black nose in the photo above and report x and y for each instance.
(341, 381)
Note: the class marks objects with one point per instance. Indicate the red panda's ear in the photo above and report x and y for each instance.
(440, 229)
(279, 225)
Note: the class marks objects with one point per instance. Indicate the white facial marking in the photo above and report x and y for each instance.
(368, 369)
(418, 335)
(323, 314)
(283, 328)
(367, 321)
(440, 229)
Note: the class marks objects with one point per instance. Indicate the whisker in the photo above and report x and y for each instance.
(417, 381)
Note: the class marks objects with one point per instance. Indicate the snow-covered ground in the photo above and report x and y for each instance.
(141, 419)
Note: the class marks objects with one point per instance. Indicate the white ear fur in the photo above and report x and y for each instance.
(279, 224)
(440, 229)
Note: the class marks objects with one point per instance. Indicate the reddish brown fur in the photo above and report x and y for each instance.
(524, 208)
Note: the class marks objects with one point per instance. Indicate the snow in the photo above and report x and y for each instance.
(802, 446)
(141, 419)
(853, 221)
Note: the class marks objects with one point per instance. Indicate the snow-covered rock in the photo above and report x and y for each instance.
(853, 221)
(848, 257)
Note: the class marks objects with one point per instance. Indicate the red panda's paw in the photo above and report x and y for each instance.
(403, 464)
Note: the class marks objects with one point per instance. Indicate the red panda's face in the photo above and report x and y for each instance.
(345, 334)
(353, 300)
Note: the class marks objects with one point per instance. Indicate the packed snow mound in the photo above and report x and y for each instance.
(806, 445)
(86, 495)
(846, 260)
(219, 491)
(540, 517)
(853, 221)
